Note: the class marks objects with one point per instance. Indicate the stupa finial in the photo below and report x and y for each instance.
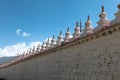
(48, 39)
(80, 26)
(88, 18)
(119, 6)
(102, 8)
(77, 24)
(53, 36)
(43, 42)
(60, 32)
(68, 29)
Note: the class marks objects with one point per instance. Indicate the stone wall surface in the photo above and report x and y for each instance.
(97, 59)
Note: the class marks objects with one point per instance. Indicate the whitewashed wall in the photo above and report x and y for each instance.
(97, 59)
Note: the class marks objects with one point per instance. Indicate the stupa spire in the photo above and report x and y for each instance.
(102, 8)
(53, 37)
(118, 6)
(68, 29)
(77, 24)
(88, 18)
(60, 32)
(80, 26)
(77, 31)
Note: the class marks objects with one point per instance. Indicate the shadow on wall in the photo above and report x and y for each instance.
(2, 79)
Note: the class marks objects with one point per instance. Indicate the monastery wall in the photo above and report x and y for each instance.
(95, 59)
(93, 54)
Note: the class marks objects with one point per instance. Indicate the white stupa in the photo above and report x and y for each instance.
(53, 42)
(33, 50)
(88, 27)
(23, 55)
(77, 31)
(68, 36)
(60, 38)
(30, 51)
(43, 47)
(27, 53)
(103, 22)
(117, 17)
(38, 48)
(48, 44)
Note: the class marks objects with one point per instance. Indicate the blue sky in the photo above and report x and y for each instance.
(37, 20)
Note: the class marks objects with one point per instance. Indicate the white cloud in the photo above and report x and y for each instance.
(13, 50)
(18, 31)
(26, 34)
